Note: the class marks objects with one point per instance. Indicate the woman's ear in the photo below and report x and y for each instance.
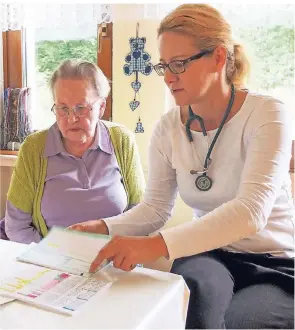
(102, 107)
(220, 54)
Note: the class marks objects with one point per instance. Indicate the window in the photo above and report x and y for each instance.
(267, 32)
(46, 48)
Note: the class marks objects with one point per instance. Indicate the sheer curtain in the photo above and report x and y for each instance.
(265, 31)
(18, 16)
(237, 14)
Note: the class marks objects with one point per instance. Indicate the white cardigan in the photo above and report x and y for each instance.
(249, 207)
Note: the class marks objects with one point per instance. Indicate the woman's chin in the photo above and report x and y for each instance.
(77, 137)
(180, 99)
(181, 102)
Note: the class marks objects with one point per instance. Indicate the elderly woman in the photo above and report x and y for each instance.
(80, 168)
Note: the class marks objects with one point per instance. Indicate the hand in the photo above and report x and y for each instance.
(91, 226)
(127, 251)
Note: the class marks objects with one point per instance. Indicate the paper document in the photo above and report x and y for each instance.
(56, 275)
(4, 300)
(67, 250)
(51, 289)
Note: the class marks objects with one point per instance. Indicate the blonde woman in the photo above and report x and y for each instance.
(81, 167)
(227, 151)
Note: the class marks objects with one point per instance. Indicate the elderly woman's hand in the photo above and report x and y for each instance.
(127, 251)
(91, 226)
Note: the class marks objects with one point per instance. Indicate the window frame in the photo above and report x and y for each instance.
(13, 66)
(12, 59)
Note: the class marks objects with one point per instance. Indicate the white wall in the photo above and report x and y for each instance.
(153, 97)
(153, 93)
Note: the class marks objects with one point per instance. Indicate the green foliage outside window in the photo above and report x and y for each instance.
(51, 53)
(273, 49)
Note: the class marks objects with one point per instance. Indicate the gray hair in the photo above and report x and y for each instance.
(80, 69)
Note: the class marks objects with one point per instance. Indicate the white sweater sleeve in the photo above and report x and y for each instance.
(159, 198)
(267, 160)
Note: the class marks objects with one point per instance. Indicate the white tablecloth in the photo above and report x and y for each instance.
(142, 298)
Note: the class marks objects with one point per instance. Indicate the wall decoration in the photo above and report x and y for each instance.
(139, 128)
(16, 122)
(137, 62)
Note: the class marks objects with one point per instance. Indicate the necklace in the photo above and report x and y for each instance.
(204, 182)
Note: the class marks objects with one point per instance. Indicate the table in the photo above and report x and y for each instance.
(141, 299)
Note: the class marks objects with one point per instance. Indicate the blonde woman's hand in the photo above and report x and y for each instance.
(127, 251)
(91, 226)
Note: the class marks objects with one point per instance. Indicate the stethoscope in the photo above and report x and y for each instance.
(203, 181)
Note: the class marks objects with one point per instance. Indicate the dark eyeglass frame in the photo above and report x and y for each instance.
(158, 67)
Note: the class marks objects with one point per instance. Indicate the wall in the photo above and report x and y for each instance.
(152, 93)
(1, 77)
(6, 162)
(152, 97)
(5, 172)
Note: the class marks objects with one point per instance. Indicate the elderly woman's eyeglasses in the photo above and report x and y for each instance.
(80, 110)
(178, 66)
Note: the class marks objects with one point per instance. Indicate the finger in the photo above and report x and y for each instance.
(132, 266)
(107, 252)
(76, 227)
(117, 261)
(87, 226)
(126, 265)
(110, 259)
(96, 263)
(72, 227)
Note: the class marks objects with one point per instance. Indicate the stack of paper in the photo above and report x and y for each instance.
(57, 276)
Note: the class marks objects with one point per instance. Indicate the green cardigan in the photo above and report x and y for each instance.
(27, 181)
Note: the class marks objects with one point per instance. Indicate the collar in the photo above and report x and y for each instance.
(54, 144)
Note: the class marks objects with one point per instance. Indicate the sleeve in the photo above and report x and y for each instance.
(22, 185)
(134, 173)
(159, 198)
(19, 227)
(20, 197)
(267, 162)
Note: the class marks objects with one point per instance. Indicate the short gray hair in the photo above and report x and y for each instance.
(80, 69)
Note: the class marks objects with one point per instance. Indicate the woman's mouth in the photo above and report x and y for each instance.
(75, 129)
(175, 91)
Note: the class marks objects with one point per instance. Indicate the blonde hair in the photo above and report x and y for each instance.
(210, 29)
(80, 69)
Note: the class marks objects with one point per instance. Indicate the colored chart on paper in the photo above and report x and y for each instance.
(51, 289)
(12, 284)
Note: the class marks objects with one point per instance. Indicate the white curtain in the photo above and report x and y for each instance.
(45, 15)
(16, 16)
(240, 14)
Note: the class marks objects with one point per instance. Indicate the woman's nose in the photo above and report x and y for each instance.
(170, 77)
(72, 117)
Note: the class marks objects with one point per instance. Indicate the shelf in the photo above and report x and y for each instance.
(8, 152)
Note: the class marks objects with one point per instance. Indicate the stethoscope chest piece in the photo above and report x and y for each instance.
(203, 182)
